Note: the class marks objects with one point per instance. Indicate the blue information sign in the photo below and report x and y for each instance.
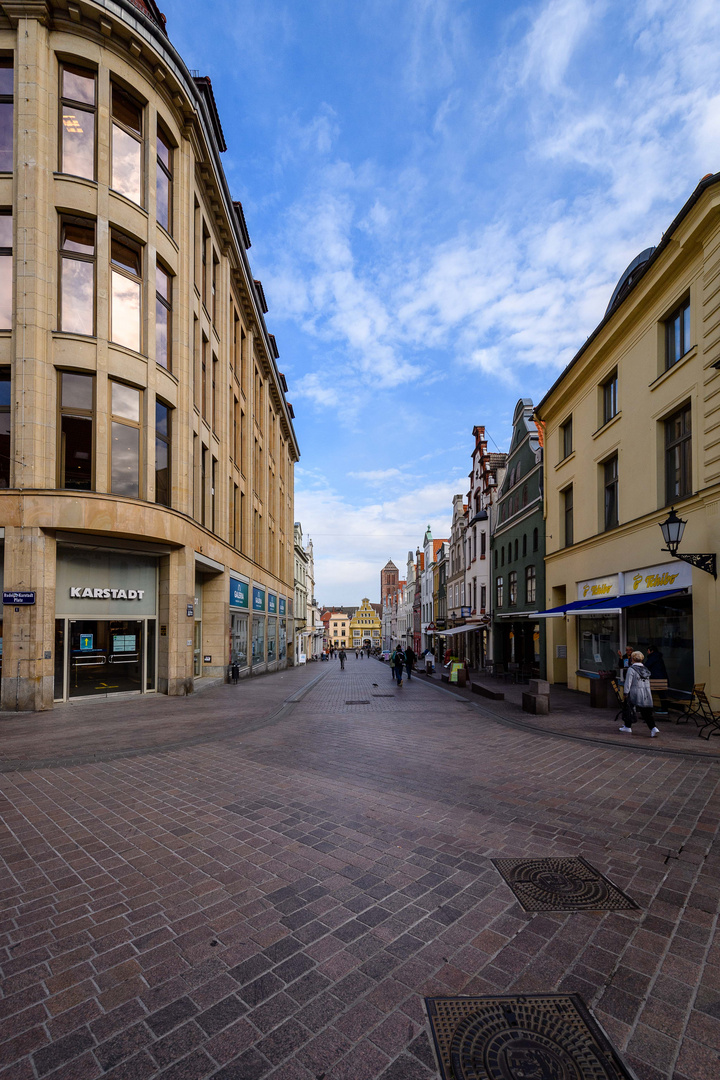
(272, 604)
(281, 602)
(18, 598)
(238, 593)
(258, 599)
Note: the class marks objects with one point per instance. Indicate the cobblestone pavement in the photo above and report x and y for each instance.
(275, 903)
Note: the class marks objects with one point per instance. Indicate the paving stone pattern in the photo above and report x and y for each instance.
(277, 903)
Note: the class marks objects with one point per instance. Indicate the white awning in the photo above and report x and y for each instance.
(455, 630)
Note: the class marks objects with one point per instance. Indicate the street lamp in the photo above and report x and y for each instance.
(672, 529)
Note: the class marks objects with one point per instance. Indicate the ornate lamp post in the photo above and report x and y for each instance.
(672, 529)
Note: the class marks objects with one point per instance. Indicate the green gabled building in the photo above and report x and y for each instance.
(518, 550)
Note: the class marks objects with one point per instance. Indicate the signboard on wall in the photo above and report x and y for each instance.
(672, 575)
(238, 593)
(272, 604)
(258, 599)
(281, 605)
(599, 588)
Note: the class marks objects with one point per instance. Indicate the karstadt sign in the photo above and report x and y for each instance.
(77, 592)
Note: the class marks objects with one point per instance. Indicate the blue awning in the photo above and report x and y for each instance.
(611, 605)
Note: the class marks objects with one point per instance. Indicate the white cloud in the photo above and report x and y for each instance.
(552, 40)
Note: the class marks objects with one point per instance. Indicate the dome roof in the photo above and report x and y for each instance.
(628, 278)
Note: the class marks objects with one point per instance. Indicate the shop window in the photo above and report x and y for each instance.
(566, 439)
(258, 640)
(610, 398)
(677, 334)
(678, 455)
(6, 269)
(512, 588)
(164, 181)
(610, 481)
(163, 317)
(6, 114)
(499, 592)
(5, 415)
(75, 458)
(530, 581)
(127, 146)
(125, 440)
(568, 522)
(126, 274)
(77, 118)
(76, 302)
(162, 453)
(598, 642)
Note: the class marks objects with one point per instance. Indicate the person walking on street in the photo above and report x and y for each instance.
(410, 659)
(342, 655)
(397, 660)
(638, 695)
(356, 654)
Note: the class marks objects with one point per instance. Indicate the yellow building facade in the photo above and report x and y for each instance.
(631, 428)
(365, 629)
(146, 445)
(338, 630)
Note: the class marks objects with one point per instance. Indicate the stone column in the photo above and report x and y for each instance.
(29, 631)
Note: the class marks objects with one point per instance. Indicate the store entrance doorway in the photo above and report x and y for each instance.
(105, 657)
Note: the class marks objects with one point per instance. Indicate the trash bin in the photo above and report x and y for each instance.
(599, 692)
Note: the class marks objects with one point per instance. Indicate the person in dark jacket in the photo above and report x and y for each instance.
(655, 664)
(397, 661)
(410, 659)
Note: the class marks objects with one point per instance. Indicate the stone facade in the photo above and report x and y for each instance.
(136, 280)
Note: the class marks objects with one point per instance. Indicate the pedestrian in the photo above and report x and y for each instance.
(361, 654)
(356, 654)
(655, 664)
(342, 656)
(625, 661)
(410, 659)
(397, 660)
(638, 695)
(235, 674)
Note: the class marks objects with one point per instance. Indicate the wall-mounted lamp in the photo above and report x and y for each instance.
(672, 529)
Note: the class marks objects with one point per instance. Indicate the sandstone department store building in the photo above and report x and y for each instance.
(146, 446)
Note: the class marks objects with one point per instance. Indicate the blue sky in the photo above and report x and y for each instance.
(441, 196)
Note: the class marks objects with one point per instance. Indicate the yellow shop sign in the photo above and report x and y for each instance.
(598, 588)
(650, 578)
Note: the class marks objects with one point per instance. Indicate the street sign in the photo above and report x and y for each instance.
(19, 598)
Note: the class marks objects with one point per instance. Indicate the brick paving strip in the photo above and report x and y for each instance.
(277, 902)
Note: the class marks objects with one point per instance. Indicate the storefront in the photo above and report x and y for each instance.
(105, 623)
(239, 597)
(650, 605)
(258, 629)
(272, 630)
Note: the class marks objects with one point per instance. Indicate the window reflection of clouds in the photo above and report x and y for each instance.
(77, 316)
(6, 230)
(163, 199)
(78, 87)
(6, 136)
(127, 161)
(125, 311)
(125, 460)
(77, 391)
(79, 143)
(162, 316)
(6, 77)
(5, 292)
(126, 401)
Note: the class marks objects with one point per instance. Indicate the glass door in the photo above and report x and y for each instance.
(105, 657)
(197, 651)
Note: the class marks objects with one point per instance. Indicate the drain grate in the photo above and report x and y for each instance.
(383, 695)
(539, 1036)
(569, 884)
(362, 701)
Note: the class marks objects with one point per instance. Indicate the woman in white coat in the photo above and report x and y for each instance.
(638, 694)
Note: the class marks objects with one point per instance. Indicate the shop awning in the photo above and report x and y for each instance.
(455, 630)
(612, 605)
(518, 615)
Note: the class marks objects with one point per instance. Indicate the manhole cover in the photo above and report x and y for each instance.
(527, 1037)
(570, 884)
(363, 701)
(383, 695)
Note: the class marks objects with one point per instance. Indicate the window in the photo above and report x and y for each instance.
(77, 393)
(203, 260)
(610, 479)
(535, 539)
(125, 440)
(127, 147)
(162, 454)
(524, 549)
(126, 267)
(6, 114)
(609, 398)
(516, 551)
(566, 443)
(163, 317)
(678, 455)
(502, 556)
(77, 113)
(5, 414)
(164, 181)
(510, 552)
(677, 334)
(6, 269)
(483, 543)
(499, 591)
(203, 378)
(530, 579)
(496, 558)
(214, 401)
(483, 597)
(213, 288)
(512, 588)
(567, 500)
(77, 276)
